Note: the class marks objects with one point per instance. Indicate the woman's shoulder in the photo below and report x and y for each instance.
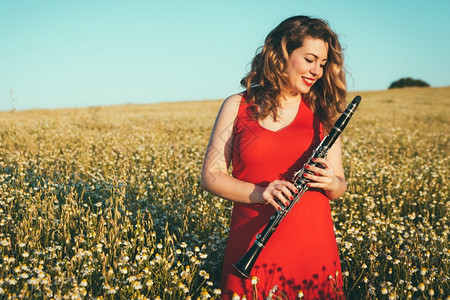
(230, 106)
(234, 100)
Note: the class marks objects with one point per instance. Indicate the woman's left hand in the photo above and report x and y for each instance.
(323, 176)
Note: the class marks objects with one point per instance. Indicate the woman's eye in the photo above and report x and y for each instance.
(308, 60)
(322, 66)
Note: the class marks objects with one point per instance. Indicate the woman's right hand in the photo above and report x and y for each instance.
(278, 191)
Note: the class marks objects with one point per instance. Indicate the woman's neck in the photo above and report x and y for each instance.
(291, 98)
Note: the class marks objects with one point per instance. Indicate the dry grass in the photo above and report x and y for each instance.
(105, 202)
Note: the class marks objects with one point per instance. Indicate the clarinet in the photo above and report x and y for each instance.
(245, 264)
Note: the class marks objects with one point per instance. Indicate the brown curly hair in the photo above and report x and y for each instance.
(267, 80)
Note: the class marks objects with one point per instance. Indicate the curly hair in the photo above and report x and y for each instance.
(267, 80)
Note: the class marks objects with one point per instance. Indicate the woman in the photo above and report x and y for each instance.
(293, 94)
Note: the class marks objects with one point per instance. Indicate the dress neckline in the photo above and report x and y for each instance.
(287, 125)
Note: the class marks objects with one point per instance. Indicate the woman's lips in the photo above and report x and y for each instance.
(308, 81)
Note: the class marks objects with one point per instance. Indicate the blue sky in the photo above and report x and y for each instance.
(58, 54)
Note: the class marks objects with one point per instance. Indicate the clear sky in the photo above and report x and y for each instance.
(57, 53)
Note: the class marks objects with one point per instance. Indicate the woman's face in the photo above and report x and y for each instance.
(306, 65)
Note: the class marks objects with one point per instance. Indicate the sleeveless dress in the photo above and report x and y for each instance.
(301, 257)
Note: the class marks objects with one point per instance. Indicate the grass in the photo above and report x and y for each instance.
(105, 202)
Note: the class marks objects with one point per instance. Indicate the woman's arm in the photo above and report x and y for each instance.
(215, 177)
(330, 177)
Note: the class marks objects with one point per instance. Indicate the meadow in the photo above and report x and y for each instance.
(105, 202)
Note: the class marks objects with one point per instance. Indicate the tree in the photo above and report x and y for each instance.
(408, 81)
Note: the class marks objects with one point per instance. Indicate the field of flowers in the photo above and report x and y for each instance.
(105, 202)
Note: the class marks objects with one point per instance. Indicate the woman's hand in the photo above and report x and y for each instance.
(278, 191)
(323, 176)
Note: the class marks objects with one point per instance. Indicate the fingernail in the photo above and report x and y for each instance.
(308, 184)
(306, 174)
(292, 198)
(307, 167)
(279, 208)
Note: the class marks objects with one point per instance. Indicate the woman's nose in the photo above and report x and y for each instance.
(316, 70)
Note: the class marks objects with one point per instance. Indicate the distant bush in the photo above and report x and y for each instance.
(408, 81)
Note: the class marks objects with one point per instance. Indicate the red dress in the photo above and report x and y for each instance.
(302, 254)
